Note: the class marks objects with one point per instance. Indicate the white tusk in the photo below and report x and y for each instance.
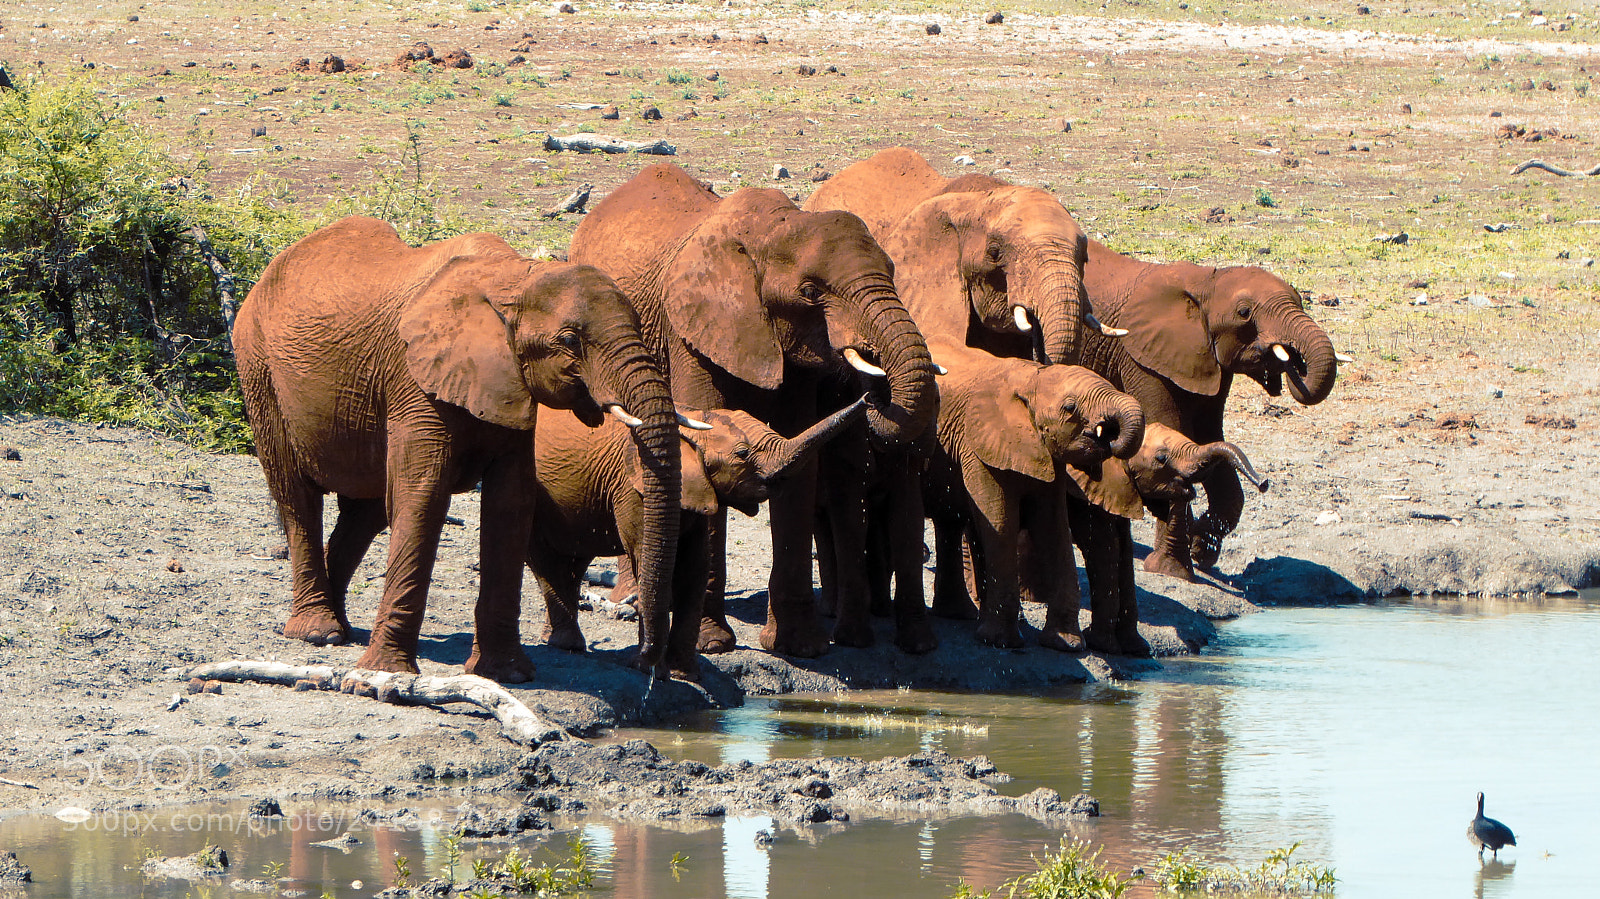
(940, 369)
(1280, 352)
(1021, 316)
(692, 424)
(1343, 358)
(862, 365)
(1099, 430)
(1102, 327)
(621, 414)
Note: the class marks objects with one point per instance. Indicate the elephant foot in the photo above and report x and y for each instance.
(1118, 641)
(1102, 640)
(1133, 645)
(506, 667)
(319, 627)
(1061, 639)
(1204, 552)
(381, 658)
(854, 631)
(1168, 564)
(567, 637)
(801, 641)
(915, 637)
(715, 637)
(1003, 635)
(685, 670)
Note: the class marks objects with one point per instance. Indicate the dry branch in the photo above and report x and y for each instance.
(590, 143)
(517, 722)
(224, 278)
(574, 202)
(1554, 170)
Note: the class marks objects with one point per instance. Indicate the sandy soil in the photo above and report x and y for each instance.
(1460, 465)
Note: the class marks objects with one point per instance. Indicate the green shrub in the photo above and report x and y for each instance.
(1072, 873)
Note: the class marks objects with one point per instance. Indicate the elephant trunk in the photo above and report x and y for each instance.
(799, 449)
(645, 392)
(1051, 289)
(1321, 364)
(1216, 454)
(903, 354)
(1121, 424)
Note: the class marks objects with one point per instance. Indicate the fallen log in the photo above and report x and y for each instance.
(517, 722)
(591, 143)
(574, 202)
(1554, 170)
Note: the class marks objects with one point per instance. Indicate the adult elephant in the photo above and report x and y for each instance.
(395, 376)
(753, 301)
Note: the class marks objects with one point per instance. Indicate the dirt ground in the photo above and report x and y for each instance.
(1457, 454)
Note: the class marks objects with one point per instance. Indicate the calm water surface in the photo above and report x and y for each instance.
(1362, 732)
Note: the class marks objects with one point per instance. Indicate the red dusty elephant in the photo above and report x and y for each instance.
(753, 302)
(395, 376)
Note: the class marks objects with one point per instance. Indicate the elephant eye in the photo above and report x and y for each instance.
(1244, 313)
(741, 451)
(811, 292)
(1069, 408)
(568, 340)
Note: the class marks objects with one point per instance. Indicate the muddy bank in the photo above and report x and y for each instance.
(126, 554)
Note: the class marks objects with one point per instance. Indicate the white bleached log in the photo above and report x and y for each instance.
(600, 143)
(517, 722)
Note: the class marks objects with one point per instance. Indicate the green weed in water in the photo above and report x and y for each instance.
(1073, 873)
(1277, 875)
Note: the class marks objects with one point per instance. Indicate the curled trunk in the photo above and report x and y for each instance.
(789, 452)
(1125, 413)
(1322, 367)
(902, 353)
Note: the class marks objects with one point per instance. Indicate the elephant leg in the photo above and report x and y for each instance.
(1001, 609)
(559, 578)
(901, 542)
(417, 508)
(881, 560)
(827, 562)
(507, 520)
(1107, 543)
(951, 598)
(1053, 575)
(626, 587)
(360, 521)
(1026, 588)
(313, 615)
(1126, 629)
(1225, 503)
(847, 520)
(792, 626)
(715, 634)
(688, 598)
(1170, 553)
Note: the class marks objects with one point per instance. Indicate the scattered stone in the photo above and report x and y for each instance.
(1216, 215)
(1416, 284)
(1363, 11)
(1327, 516)
(691, 114)
(1527, 84)
(209, 862)
(331, 65)
(964, 160)
(610, 112)
(1457, 421)
(1587, 262)
(650, 114)
(1399, 237)
(1551, 421)
(779, 173)
(1494, 113)
(763, 838)
(13, 872)
(820, 175)
(935, 29)
(1420, 299)
(567, 8)
(994, 18)
(175, 566)
(303, 64)
(477, 823)
(1478, 299)
(457, 59)
(344, 843)
(266, 807)
(807, 71)
(10, 454)
(1405, 108)
(1494, 392)
(1328, 301)
(714, 75)
(133, 18)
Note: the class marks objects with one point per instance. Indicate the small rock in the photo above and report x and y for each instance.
(935, 29)
(1495, 113)
(1066, 126)
(266, 807)
(1397, 238)
(1405, 108)
(177, 700)
(1587, 262)
(1416, 284)
(343, 843)
(10, 454)
(458, 59)
(807, 71)
(1363, 11)
(1479, 299)
(714, 75)
(1553, 422)
(567, 8)
(196, 686)
(1420, 299)
(964, 160)
(1494, 393)
(651, 114)
(13, 872)
(1216, 215)
(331, 65)
(1327, 516)
(175, 566)
(764, 838)
(610, 112)
(779, 173)
(994, 18)
(820, 175)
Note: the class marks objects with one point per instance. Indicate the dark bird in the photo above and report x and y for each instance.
(1487, 833)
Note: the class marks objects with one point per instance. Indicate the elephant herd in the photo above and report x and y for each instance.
(905, 347)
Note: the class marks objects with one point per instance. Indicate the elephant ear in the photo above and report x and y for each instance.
(1167, 330)
(458, 350)
(1110, 487)
(713, 300)
(698, 495)
(926, 248)
(998, 427)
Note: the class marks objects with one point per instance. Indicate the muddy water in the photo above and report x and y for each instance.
(1361, 732)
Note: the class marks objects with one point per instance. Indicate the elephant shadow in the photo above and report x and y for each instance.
(1282, 580)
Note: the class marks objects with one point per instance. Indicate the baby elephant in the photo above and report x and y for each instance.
(589, 503)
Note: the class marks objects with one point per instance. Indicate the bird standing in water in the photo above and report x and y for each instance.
(1487, 833)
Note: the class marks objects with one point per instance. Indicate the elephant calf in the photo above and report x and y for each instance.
(590, 504)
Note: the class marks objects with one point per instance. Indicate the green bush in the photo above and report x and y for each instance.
(1072, 873)
(109, 311)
